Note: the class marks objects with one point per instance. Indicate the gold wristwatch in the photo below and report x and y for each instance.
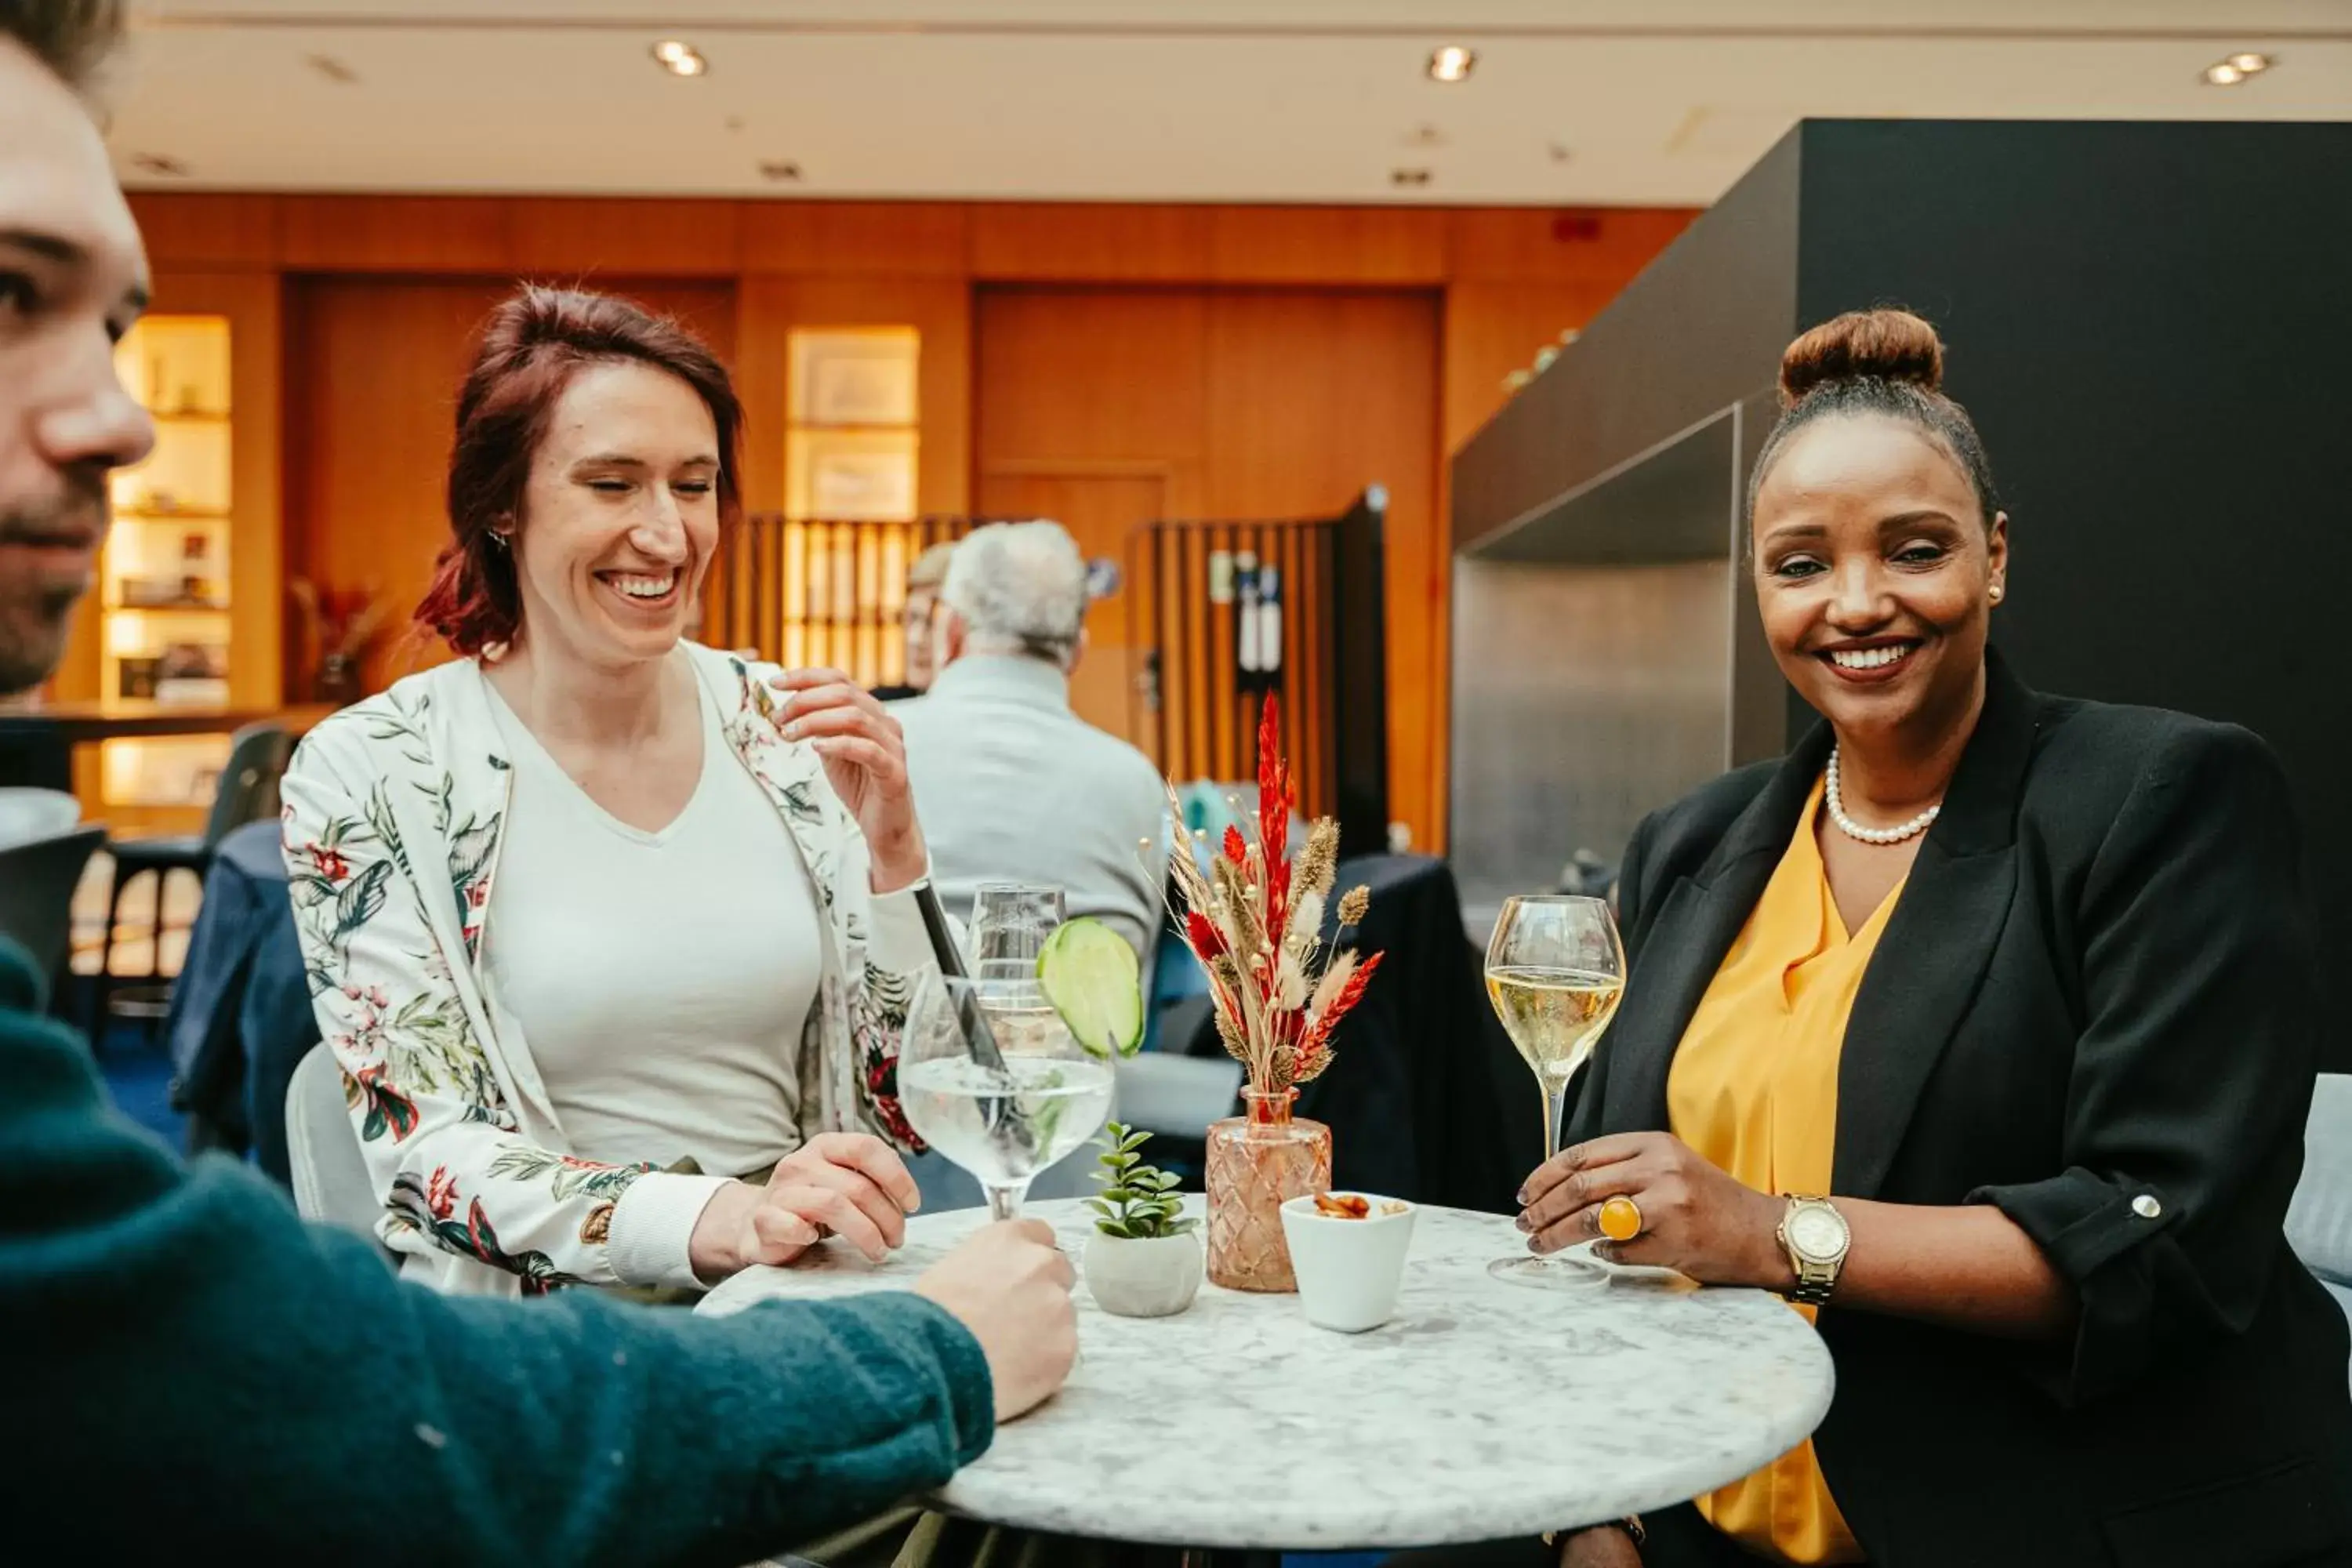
(1815, 1236)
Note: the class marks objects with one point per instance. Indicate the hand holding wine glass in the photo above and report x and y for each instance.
(1555, 972)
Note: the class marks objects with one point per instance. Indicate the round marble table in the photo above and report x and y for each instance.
(1481, 1410)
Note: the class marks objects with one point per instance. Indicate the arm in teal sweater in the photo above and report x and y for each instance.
(185, 1365)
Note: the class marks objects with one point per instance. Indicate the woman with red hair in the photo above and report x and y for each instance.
(612, 934)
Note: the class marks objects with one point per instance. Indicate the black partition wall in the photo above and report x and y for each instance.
(2152, 326)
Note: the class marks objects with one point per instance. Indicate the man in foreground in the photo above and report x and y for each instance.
(187, 1365)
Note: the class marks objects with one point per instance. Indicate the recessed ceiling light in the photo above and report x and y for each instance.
(1407, 176)
(330, 68)
(679, 57)
(2238, 68)
(157, 164)
(1452, 62)
(782, 170)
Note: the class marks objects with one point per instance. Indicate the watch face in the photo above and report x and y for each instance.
(1818, 1233)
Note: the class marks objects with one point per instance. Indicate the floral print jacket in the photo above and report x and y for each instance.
(393, 808)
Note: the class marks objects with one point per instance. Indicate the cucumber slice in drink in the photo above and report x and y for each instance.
(1091, 976)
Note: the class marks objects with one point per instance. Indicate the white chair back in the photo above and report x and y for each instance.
(322, 1152)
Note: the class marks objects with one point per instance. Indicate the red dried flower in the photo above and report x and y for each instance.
(1236, 850)
(1203, 934)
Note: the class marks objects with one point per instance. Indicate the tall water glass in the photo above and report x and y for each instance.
(1010, 923)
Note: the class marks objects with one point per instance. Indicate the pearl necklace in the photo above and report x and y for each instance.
(1835, 799)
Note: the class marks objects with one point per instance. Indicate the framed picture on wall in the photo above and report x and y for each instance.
(854, 376)
(863, 483)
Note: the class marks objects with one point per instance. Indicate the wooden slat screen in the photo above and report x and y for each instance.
(1203, 725)
(820, 590)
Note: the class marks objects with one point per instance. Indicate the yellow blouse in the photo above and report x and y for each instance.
(1753, 1089)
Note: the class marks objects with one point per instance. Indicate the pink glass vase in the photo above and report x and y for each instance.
(1257, 1162)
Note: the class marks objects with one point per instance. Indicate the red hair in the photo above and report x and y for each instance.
(533, 345)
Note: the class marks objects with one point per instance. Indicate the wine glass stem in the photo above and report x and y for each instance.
(1551, 1099)
(1005, 1203)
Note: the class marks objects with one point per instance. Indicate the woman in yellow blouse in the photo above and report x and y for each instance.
(1985, 1024)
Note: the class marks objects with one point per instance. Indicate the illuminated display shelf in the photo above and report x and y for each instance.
(165, 602)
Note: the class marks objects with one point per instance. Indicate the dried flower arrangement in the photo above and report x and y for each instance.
(1255, 924)
(337, 624)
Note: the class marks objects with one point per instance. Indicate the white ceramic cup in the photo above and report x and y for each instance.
(1348, 1270)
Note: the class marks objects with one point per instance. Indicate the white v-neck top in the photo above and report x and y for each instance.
(661, 979)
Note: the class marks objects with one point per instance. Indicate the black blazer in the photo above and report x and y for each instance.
(2097, 1005)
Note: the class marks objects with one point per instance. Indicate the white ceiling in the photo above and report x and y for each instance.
(1573, 101)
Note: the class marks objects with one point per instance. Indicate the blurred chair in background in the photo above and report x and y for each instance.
(247, 792)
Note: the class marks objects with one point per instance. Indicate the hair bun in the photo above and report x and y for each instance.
(1885, 346)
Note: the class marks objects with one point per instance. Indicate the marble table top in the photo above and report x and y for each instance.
(1483, 1410)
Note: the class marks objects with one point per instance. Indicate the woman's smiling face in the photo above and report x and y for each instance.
(1875, 572)
(620, 516)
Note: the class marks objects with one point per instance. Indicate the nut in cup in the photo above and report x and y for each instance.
(1349, 1265)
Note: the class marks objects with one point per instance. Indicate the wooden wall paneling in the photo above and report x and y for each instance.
(438, 235)
(704, 306)
(855, 239)
(1493, 329)
(1199, 753)
(563, 239)
(364, 506)
(1314, 394)
(1089, 374)
(1224, 759)
(1327, 245)
(1089, 243)
(1098, 389)
(1571, 244)
(186, 230)
(1140, 558)
(1302, 695)
(1176, 754)
(764, 316)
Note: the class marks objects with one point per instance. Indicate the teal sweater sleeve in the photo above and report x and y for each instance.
(188, 1370)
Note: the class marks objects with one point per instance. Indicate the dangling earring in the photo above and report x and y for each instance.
(498, 540)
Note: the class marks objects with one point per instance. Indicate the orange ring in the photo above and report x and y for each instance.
(1621, 1218)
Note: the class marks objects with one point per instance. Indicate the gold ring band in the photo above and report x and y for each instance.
(1621, 1218)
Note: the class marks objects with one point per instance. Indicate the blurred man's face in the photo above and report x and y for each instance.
(73, 278)
(920, 664)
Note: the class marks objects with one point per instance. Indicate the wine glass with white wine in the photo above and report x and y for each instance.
(1555, 972)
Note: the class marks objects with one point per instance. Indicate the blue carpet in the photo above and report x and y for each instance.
(140, 1076)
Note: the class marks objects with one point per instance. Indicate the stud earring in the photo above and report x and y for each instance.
(1995, 592)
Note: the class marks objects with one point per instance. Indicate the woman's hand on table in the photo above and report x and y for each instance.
(1603, 1546)
(1010, 1285)
(850, 1184)
(865, 756)
(1695, 1218)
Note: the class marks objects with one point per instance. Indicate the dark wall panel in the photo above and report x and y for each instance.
(2152, 327)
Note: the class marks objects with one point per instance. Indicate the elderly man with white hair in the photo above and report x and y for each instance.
(1012, 785)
